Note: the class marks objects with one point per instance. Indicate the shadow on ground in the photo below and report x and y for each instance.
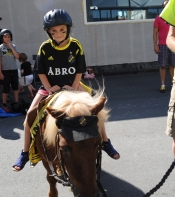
(134, 96)
(113, 185)
(7, 132)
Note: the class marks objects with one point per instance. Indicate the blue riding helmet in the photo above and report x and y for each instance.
(4, 32)
(57, 17)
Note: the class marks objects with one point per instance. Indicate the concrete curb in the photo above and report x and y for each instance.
(125, 68)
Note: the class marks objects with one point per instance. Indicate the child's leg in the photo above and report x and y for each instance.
(20, 88)
(33, 89)
(106, 144)
(24, 157)
(15, 93)
(4, 98)
(5, 86)
(29, 86)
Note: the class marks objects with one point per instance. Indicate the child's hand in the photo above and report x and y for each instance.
(1, 76)
(67, 87)
(54, 89)
(9, 44)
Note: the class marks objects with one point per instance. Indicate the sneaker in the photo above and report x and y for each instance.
(162, 89)
(6, 109)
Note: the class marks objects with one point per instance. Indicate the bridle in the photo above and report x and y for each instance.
(65, 181)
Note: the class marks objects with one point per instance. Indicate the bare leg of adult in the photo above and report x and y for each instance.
(162, 78)
(23, 158)
(171, 70)
(162, 75)
(107, 146)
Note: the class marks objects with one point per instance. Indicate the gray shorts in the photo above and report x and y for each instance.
(170, 129)
(166, 57)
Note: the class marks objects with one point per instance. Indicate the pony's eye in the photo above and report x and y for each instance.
(65, 149)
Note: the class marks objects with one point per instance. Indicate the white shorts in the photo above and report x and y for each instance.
(26, 81)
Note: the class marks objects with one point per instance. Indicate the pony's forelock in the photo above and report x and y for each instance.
(73, 104)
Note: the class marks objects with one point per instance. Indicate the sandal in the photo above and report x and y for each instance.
(21, 161)
(109, 149)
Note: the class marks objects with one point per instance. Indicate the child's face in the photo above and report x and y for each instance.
(6, 38)
(58, 33)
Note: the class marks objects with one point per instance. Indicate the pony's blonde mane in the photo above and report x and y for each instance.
(74, 104)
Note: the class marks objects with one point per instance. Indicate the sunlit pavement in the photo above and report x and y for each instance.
(136, 128)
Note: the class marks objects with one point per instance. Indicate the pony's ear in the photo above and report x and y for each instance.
(54, 113)
(98, 107)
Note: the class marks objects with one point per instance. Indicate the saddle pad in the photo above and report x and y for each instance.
(34, 156)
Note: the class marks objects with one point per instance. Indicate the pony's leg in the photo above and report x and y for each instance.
(53, 192)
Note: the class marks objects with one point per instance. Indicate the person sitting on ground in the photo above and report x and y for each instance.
(8, 67)
(27, 73)
(89, 74)
(61, 63)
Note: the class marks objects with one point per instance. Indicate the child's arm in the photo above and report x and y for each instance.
(47, 85)
(77, 80)
(15, 53)
(32, 67)
(22, 71)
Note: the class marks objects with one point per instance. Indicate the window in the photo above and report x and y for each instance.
(119, 10)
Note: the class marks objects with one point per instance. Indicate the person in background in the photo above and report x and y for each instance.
(27, 73)
(165, 56)
(8, 67)
(61, 63)
(168, 14)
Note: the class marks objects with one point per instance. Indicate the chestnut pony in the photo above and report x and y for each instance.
(69, 139)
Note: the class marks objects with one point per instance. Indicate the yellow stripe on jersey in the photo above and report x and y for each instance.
(77, 51)
(78, 43)
(45, 42)
(62, 48)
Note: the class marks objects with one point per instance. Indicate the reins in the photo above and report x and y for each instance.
(65, 182)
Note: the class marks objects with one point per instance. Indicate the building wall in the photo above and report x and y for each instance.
(104, 44)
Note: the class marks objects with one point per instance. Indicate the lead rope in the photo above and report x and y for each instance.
(152, 191)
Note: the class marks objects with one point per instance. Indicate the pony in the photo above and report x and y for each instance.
(69, 140)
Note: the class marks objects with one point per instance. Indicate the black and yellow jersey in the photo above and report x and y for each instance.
(61, 64)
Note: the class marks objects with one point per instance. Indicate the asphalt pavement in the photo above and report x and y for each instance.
(136, 128)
